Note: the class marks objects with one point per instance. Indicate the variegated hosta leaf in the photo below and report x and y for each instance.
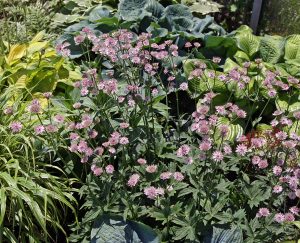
(235, 131)
(286, 104)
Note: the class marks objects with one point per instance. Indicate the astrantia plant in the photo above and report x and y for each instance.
(186, 175)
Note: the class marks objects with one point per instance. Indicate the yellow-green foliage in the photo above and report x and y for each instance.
(33, 68)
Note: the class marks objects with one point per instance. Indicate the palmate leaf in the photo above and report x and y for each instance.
(113, 229)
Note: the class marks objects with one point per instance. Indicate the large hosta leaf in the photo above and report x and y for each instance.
(248, 43)
(155, 8)
(292, 47)
(205, 7)
(177, 11)
(132, 9)
(98, 13)
(113, 229)
(227, 236)
(284, 103)
(235, 130)
(272, 48)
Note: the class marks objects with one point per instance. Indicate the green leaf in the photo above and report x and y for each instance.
(98, 13)
(132, 9)
(292, 47)
(3, 204)
(227, 236)
(205, 7)
(248, 43)
(112, 228)
(271, 48)
(177, 11)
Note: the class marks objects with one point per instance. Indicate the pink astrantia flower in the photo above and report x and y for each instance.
(183, 151)
(289, 217)
(133, 180)
(59, 118)
(109, 169)
(152, 192)
(124, 140)
(294, 210)
(241, 149)
(205, 146)
(277, 170)
(277, 189)
(217, 156)
(16, 127)
(39, 129)
(165, 175)
(35, 106)
(279, 217)
(183, 86)
(263, 212)
(142, 161)
(262, 164)
(151, 168)
(97, 171)
(178, 176)
(8, 110)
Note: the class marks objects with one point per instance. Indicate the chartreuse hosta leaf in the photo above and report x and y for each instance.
(112, 228)
(247, 42)
(292, 47)
(284, 103)
(203, 84)
(271, 48)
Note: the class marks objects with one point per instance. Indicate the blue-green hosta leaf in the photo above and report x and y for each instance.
(98, 13)
(155, 8)
(76, 50)
(271, 48)
(292, 47)
(201, 24)
(132, 9)
(227, 235)
(182, 23)
(113, 229)
(177, 11)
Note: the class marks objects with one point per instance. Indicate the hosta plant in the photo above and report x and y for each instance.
(33, 68)
(221, 165)
(175, 21)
